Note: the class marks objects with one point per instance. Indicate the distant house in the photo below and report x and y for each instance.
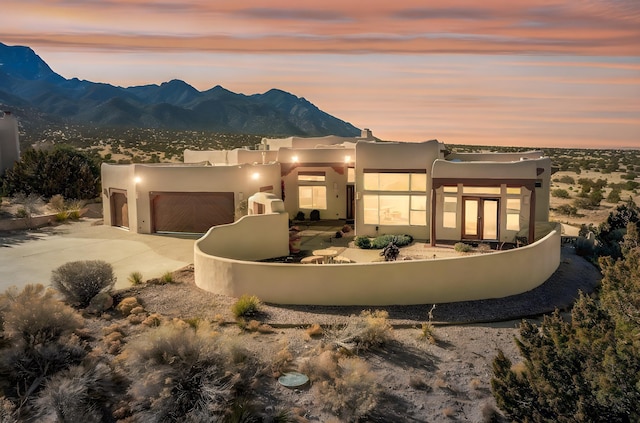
(419, 189)
(9, 141)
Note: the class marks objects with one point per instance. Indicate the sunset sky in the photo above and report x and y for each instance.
(539, 73)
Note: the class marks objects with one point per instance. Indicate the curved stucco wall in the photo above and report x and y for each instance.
(444, 280)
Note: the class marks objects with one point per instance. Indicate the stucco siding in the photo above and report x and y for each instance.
(493, 275)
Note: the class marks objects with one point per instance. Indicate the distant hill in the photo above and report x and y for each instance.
(27, 82)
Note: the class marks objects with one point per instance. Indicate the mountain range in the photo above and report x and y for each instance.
(27, 82)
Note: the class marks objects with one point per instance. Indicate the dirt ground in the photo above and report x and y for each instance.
(419, 381)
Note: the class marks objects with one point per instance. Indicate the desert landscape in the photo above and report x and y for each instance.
(401, 363)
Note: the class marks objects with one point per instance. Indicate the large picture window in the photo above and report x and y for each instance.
(395, 210)
(312, 197)
(383, 181)
(450, 212)
(513, 214)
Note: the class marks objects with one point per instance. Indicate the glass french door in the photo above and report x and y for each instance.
(480, 218)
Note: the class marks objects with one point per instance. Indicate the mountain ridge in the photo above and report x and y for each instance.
(28, 81)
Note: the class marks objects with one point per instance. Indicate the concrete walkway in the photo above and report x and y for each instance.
(30, 256)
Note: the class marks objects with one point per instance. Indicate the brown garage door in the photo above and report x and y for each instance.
(119, 208)
(190, 211)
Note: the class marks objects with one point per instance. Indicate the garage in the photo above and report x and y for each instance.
(193, 212)
(119, 208)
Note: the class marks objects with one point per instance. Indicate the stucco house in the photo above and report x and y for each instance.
(419, 189)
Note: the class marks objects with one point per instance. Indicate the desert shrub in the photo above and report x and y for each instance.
(314, 330)
(57, 203)
(583, 370)
(363, 242)
(567, 209)
(179, 374)
(167, 277)
(353, 392)
(135, 278)
(79, 281)
(391, 251)
(360, 333)
(629, 175)
(566, 179)
(384, 240)
(21, 213)
(39, 330)
(614, 196)
(560, 193)
(462, 247)
(84, 393)
(126, 305)
(584, 247)
(245, 306)
(8, 412)
(63, 171)
(34, 316)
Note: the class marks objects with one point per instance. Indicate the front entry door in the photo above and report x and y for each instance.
(480, 218)
(351, 201)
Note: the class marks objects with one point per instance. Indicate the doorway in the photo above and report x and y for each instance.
(351, 202)
(480, 218)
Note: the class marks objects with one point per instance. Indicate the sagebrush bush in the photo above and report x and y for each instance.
(84, 393)
(179, 374)
(40, 342)
(382, 241)
(346, 385)
(245, 306)
(362, 332)
(34, 316)
(79, 281)
(462, 247)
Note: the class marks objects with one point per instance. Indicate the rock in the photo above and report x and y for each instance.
(100, 303)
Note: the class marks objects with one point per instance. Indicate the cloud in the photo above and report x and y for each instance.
(293, 14)
(424, 13)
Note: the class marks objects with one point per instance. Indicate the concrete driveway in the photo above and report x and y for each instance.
(30, 256)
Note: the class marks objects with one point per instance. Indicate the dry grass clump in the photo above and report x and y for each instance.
(360, 333)
(314, 331)
(418, 382)
(153, 320)
(246, 306)
(449, 412)
(113, 339)
(256, 326)
(135, 278)
(346, 385)
(127, 305)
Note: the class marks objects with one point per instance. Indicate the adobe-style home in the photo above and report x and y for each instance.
(244, 198)
(420, 189)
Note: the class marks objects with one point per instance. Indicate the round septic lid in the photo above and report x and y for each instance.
(293, 379)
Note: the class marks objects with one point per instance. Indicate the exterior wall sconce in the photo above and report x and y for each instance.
(347, 159)
(255, 176)
(294, 159)
(137, 180)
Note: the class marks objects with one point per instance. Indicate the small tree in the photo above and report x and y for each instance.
(80, 281)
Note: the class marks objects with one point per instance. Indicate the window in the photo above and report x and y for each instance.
(513, 214)
(514, 191)
(312, 197)
(450, 212)
(311, 176)
(395, 210)
(450, 189)
(481, 190)
(395, 181)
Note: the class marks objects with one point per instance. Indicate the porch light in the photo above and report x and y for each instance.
(347, 159)
(255, 176)
(294, 159)
(137, 180)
